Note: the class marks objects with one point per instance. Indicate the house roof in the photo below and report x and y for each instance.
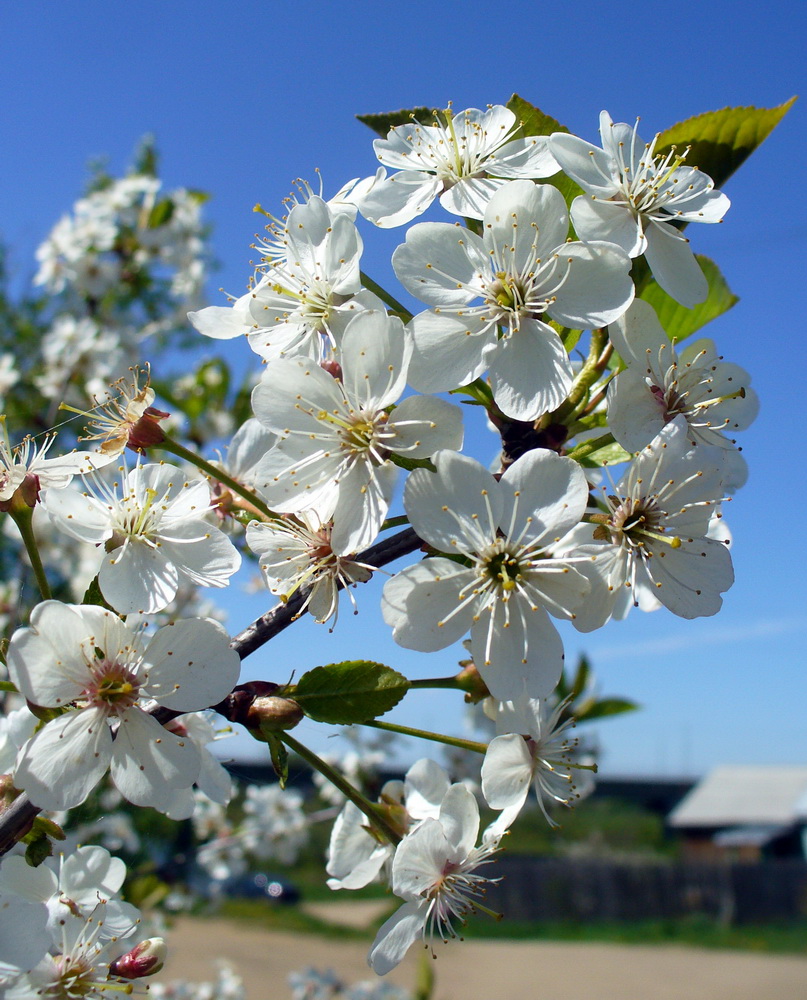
(734, 796)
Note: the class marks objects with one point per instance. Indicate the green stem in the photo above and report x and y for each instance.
(586, 377)
(423, 734)
(175, 448)
(395, 522)
(437, 682)
(23, 517)
(588, 447)
(384, 295)
(372, 813)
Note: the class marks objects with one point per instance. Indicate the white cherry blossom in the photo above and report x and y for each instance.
(535, 747)
(435, 871)
(525, 274)
(660, 383)
(463, 163)
(336, 435)
(303, 301)
(355, 855)
(86, 657)
(506, 582)
(296, 553)
(156, 531)
(634, 194)
(655, 541)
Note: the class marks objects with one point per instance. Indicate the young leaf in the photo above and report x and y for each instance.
(721, 140)
(382, 122)
(680, 322)
(347, 693)
(280, 758)
(604, 707)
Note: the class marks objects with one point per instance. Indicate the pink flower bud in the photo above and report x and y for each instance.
(145, 959)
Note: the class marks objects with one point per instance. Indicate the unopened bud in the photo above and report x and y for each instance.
(333, 368)
(145, 959)
(147, 431)
(271, 713)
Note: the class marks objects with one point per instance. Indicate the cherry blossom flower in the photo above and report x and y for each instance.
(336, 436)
(660, 383)
(87, 657)
(355, 856)
(156, 534)
(654, 543)
(302, 303)
(464, 162)
(297, 553)
(525, 274)
(535, 748)
(73, 884)
(25, 467)
(506, 581)
(632, 197)
(435, 871)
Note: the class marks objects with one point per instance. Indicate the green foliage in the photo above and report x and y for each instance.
(346, 693)
(584, 703)
(680, 322)
(720, 141)
(280, 757)
(39, 840)
(93, 596)
(536, 122)
(383, 121)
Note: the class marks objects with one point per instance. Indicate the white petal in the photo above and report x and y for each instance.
(62, 764)
(611, 221)
(507, 772)
(148, 762)
(424, 425)
(449, 350)
(674, 265)
(530, 373)
(419, 603)
(396, 936)
(547, 488)
(190, 665)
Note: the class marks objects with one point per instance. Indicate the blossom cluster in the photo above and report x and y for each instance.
(538, 309)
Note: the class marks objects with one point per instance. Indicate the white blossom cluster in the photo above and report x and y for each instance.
(65, 933)
(349, 407)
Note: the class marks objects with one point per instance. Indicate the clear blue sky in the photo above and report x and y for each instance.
(245, 97)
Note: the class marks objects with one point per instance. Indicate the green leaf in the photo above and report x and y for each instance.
(680, 322)
(350, 692)
(382, 122)
(609, 454)
(720, 141)
(424, 984)
(7, 686)
(581, 677)
(94, 596)
(605, 707)
(533, 121)
(161, 213)
(39, 848)
(280, 757)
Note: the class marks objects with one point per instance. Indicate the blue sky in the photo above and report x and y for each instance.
(245, 97)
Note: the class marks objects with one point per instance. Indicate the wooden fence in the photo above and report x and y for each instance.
(598, 890)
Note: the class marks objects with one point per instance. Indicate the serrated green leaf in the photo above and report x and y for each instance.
(680, 322)
(720, 141)
(280, 757)
(346, 693)
(533, 121)
(382, 122)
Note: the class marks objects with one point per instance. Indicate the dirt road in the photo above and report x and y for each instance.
(487, 970)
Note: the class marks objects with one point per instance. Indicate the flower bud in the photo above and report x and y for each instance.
(145, 959)
(273, 714)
